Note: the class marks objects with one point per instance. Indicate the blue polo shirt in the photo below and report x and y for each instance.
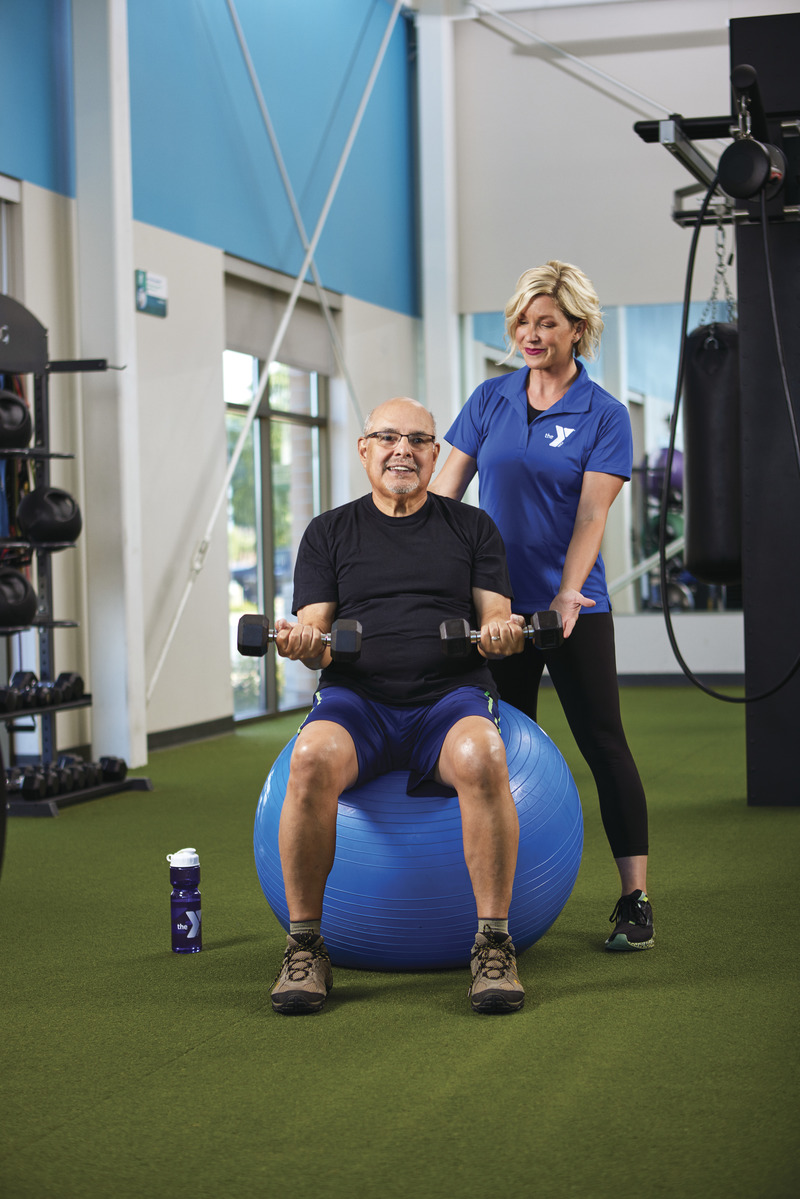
(531, 474)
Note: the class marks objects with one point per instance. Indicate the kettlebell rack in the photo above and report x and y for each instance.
(23, 351)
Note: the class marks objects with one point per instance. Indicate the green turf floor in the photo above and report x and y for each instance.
(132, 1072)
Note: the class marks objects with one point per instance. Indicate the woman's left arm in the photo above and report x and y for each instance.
(598, 493)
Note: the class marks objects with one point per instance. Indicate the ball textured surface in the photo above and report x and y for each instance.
(49, 514)
(399, 895)
(18, 601)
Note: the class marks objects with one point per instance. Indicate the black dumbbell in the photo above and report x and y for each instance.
(65, 778)
(54, 780)
(94, 774)
(25, 682)
(28, 781)
(75, 768)
(545, 630)
(8, 699)
(49, 693)
(254, 636)
(114, 769)
(71, 685)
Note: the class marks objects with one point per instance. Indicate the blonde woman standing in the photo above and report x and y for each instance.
(552, 450)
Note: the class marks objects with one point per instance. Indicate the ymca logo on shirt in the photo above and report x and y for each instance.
(563, 434)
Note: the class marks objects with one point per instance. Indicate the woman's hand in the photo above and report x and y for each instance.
(569, 604)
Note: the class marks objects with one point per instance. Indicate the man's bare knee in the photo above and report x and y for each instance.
(474, 757)
(323, 761)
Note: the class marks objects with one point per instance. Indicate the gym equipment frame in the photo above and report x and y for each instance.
(23, 351)
(759, 181)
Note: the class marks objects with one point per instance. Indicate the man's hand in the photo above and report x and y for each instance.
(501, 638)
(300, 642)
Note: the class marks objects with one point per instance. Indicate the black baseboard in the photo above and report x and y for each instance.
(191, 732)
(263, 717)
(670, 680)
(680, 680)
(168, 738)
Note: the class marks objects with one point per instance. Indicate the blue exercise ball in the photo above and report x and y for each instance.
(399, 895)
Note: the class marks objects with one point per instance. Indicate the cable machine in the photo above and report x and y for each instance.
(756, 188)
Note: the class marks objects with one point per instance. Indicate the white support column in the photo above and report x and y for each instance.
(439, 225)
(616, 548)
(112, 515)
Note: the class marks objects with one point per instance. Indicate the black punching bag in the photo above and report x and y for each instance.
(712, 456)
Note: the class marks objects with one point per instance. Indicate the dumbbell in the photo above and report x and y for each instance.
(63, 778)
(75, 769)
(254, 636)
(114, 769)
(71, 685)
(545, 630)
(25, 682)
(48, 692)
(28, 781)
(56, 780)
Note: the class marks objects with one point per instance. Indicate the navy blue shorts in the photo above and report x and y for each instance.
(387, 737)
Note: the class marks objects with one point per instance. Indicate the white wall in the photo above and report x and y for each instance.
(548, 165)
(709, 643)
(182, 438)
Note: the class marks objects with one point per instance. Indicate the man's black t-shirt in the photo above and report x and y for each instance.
(401, 576)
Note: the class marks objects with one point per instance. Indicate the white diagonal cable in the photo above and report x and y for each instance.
(581, 62)
(645, 566)
(298, 220)
(198, 560)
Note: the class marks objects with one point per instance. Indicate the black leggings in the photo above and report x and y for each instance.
(584, 674)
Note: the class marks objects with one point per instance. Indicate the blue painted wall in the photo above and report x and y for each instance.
(202, 162)
(36, 93)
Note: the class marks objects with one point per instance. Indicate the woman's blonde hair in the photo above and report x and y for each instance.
(573, 293)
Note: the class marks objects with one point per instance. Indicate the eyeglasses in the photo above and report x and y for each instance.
(416, 441)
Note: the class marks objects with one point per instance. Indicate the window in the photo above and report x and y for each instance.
(279, 484)
(10, 194)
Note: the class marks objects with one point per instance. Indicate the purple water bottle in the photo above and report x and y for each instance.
(184, 874)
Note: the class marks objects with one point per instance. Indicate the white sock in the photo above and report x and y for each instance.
(297, 927)
(494, 926)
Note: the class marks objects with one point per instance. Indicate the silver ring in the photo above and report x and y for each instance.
(494, 638)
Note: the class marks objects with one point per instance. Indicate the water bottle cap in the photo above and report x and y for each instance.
(183, 858)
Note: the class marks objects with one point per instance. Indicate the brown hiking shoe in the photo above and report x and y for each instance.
(495, 983)
(305, 976)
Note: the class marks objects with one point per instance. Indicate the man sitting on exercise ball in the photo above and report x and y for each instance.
(400, 560)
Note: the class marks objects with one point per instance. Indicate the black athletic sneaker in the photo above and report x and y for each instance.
(495, 985)
(305, 976)
(633, 923)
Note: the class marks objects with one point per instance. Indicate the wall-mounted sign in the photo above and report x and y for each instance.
(151, 293)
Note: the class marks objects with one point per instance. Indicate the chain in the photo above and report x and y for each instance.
(720, 280)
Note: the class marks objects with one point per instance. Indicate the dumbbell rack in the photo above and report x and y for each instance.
(23, 350)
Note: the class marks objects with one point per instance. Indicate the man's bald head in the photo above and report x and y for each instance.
(404, 407)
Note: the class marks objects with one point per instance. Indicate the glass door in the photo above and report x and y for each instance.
(279, 484)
